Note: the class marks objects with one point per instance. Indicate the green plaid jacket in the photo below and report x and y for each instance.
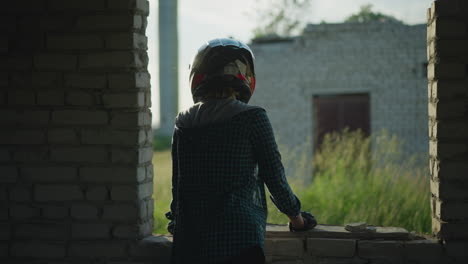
(219, 171)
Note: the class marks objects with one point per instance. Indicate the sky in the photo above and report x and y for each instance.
(202, 20)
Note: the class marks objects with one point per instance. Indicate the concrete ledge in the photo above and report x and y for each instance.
(331, 231)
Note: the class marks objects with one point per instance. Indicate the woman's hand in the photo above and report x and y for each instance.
(297, 221)
(303, 222)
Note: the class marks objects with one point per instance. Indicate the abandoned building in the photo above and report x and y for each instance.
(368, 76)
(76, 176)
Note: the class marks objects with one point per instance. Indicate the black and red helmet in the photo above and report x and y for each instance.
(223, 62)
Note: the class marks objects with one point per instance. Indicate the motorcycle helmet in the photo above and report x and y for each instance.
(223, 63)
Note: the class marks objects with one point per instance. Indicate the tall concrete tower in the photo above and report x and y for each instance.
(168, 65)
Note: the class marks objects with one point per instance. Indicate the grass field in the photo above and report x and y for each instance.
(350, 184)
(162, 189)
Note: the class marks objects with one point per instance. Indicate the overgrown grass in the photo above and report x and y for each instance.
(354, 184)
(162, 194)
(351, 183)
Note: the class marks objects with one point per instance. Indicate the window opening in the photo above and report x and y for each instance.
(333, 113)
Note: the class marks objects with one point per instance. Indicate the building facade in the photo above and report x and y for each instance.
(370, 76)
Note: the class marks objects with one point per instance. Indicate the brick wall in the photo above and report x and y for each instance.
(75, 130)
(385, 60)
(335, 245)
(447, 38)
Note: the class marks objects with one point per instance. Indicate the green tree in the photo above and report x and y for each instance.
(279, 18)
(366, 14)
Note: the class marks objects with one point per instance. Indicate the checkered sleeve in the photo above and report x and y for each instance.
(270, 167)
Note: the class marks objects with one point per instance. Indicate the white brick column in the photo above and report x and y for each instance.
(447, 36)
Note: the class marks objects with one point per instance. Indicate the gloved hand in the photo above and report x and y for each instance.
(309, 223)
(171, 224)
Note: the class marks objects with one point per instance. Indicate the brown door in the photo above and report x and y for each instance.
(337, 112)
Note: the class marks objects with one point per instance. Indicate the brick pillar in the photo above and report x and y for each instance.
(447, 38)
(75, 129)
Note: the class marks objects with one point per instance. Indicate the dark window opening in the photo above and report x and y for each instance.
(333, 113)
